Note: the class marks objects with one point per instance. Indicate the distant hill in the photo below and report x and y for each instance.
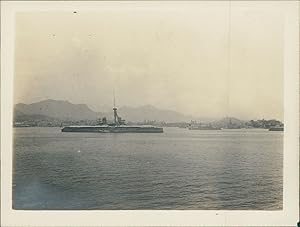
(25, 117)
(56, 112)
(229, 122)
(148, 112)
(63, 110)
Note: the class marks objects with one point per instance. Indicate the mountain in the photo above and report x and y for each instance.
(63, 110)
(151, 113)
(55, 112)
(20, 117)
(229, 122)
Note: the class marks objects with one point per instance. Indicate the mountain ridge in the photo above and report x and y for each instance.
(59, 109)
(58, 112)
(65, 110)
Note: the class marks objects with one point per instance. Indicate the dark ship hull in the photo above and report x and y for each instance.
(113, 129)
(199, 127)
(276, 129)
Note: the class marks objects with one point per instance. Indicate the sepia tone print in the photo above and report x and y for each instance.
(160, 108)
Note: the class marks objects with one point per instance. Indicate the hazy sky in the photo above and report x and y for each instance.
(174, 58)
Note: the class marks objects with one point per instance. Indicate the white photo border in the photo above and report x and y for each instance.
(286, 217)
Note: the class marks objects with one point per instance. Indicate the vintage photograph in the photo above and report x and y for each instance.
(173, 106)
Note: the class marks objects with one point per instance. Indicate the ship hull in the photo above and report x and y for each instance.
(111, 129)
(276, 129)
(202, 128)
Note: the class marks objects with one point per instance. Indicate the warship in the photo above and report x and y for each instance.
(276, 128)
(198, 126)
(118, 126)
(202, 127)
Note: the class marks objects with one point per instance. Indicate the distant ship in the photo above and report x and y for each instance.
(276, 129)
(21, 124)
(195, 126)
(118, 126)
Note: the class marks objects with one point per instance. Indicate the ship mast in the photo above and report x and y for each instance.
(114, 98)
(115, 111)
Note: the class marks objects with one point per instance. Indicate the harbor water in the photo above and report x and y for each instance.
(177, 169)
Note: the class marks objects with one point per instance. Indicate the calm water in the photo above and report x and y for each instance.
(179, 169)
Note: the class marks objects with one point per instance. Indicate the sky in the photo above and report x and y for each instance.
(197, 58)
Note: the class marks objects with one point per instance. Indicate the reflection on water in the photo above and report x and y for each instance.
(179, 169)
